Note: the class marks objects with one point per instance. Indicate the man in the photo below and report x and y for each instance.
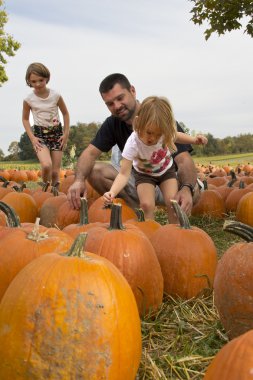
(120, 98)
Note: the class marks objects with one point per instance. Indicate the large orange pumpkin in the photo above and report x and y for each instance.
(68, 317)
(131, 252)
(187, 256)
(233, 286)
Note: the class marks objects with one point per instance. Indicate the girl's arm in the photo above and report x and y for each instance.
(26, 123)
(65, 115)
(183, 138)
(120, 181)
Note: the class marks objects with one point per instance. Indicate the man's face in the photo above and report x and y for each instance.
(121, 102)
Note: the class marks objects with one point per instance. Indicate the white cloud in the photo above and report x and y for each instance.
(153, 43)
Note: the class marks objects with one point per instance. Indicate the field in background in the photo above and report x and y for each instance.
(21, 165)
(231, 159)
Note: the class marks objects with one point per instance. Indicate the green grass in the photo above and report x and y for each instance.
(20, 165)
(232, 159)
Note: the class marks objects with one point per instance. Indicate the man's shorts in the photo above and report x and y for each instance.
(49, 136)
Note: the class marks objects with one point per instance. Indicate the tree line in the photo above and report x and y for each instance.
(81, 134)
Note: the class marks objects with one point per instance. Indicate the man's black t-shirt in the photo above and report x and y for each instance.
(114, 131)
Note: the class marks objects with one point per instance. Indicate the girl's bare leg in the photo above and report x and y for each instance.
(46, 163)
(146, 193)
(169, 189)
(56, 156)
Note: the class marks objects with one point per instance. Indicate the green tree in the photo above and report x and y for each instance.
(1, 155)
(223, 15)
(8, 45)
(26, 151)
(14, 150)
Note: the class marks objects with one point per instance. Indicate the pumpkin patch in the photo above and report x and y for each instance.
(182, 335)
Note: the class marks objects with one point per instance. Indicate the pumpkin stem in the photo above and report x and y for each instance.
(83, 212)
(2, 179)
(140, 214)
(241, 185)
(45, 186)
(240, 229)
(233, 179)
(116, 217)
(205, 184)
(77, 248)
(54, 191)
(181, 215)
(5, 184)
(36, 235)
(17, 189)
(12, 217)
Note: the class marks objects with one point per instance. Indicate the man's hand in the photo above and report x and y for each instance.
(184, 199)
(75, 192)
(108, 198)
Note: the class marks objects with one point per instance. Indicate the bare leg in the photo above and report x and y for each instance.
(46, 164)
(146, 193)
(169, 189)
(101, 179)
(56, 156)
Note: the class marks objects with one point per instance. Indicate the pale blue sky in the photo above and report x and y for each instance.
(154, 43)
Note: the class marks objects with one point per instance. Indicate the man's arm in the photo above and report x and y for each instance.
(85, 165)
(187, 174)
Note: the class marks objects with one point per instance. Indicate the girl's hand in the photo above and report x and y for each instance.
(201, 140)
(63, 140)
(36, 144)
(108, 198)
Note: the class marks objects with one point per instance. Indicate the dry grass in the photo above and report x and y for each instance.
(180, 341)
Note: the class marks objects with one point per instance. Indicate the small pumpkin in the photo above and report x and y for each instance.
(99, 213)
(210, 203)
(75, 229)
(147, 226)
(244, 209)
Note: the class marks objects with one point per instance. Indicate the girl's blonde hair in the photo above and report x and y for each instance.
(157, 112)
(37, 69)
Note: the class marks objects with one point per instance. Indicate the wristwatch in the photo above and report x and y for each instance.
(190, 186)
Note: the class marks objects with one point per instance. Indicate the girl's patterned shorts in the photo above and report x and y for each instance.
(49, 136)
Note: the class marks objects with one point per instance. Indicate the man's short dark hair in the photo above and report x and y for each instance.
(109, 82)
